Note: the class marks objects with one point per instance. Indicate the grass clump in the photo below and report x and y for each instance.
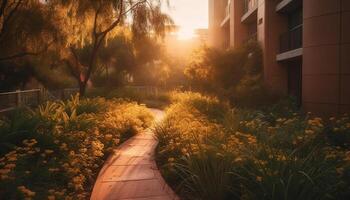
(56, 150)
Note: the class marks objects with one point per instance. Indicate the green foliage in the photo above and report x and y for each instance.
(233, 74)
(205, 175)
(155, 98)
(274, 153)
(214, 69)
(17, 126)
(57, 149)
(338, 131)
(78, 38)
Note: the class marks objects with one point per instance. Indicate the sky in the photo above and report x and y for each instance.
(188, 15)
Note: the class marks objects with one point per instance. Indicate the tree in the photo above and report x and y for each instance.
(92, 22)
(27, 32)
(115, 61)
(226, 70)
(25, 29)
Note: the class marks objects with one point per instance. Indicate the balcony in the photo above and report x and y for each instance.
(250, 11)
(292, 39)
(286, 6)
(291, 44)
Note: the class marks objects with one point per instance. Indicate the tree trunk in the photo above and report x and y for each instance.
(82, 88)
(97, 44)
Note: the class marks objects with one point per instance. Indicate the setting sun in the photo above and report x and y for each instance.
(188, 15)
(185, 34)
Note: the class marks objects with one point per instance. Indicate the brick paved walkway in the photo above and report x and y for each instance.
(131, 173)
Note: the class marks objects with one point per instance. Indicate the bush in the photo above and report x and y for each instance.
(56, 151)
(274, 153)
(153, 99)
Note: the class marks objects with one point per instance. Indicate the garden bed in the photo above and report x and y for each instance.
(209, 150)
(57, 150)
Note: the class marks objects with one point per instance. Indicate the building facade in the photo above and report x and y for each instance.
(306, 45)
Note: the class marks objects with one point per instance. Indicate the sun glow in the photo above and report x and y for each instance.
(188, 15)
(185, 34)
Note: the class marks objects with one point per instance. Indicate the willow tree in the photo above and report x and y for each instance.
(26, 29)
(90, 23)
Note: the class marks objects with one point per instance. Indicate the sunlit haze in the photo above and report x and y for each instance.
(189, 15)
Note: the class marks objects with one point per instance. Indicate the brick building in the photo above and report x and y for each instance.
(306, 45)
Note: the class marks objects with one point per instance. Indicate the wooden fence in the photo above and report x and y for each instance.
(32, 98)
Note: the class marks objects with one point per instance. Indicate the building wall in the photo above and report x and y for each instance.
(216, 13)
(270, 26)
(326, 49)
(326, 63)
(238, 31)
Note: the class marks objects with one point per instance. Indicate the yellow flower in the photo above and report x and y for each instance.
(340, 170)
(53, 169)
(10, 166)
(108, 136)
(51, 197)
(259, 178)
(309, 132)
(4, 171)
(25, 191)
(12, 159)
(48, 151)
(83, 150)
(116, 141)
(4, 177)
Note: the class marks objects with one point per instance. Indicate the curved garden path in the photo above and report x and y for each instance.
(131, 172)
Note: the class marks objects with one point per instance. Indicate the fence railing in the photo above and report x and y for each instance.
(32, 98)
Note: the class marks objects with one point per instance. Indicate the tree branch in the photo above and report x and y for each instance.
(18, 55)
(8, 18)
(96, 19)
(121, 14)
(25, 53)
(2, 7)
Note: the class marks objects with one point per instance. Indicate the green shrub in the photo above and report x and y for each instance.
(153, 99)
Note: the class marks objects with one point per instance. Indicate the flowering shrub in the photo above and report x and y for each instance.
(59, 155)
(250, 154)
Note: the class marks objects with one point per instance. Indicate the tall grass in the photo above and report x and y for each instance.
(208, 150)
